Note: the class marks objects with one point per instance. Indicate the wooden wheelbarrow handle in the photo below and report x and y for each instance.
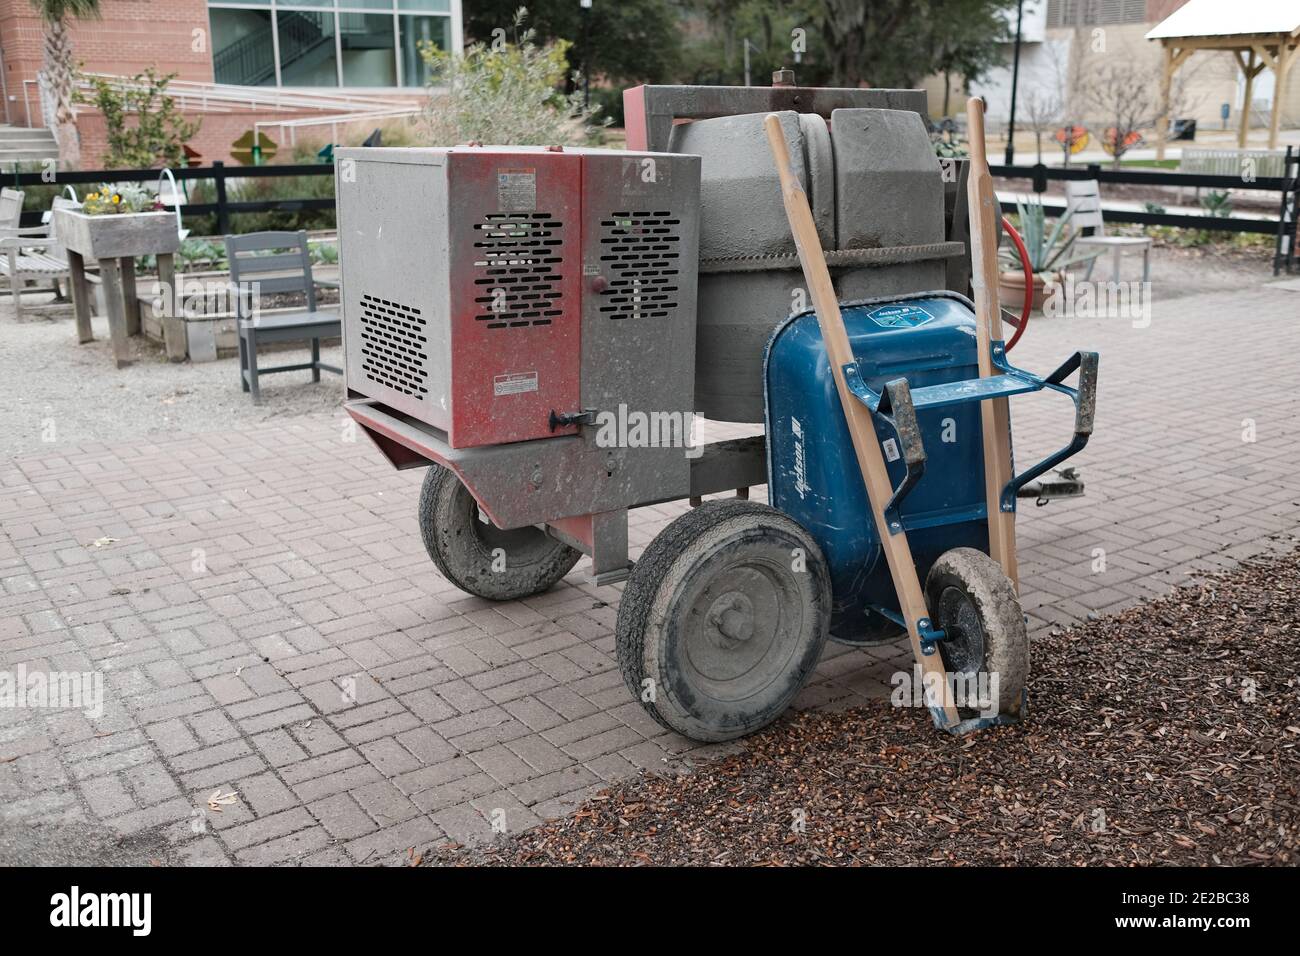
(871, 459)
(995, 418)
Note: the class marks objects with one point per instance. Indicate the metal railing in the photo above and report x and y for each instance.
(199, 97)
(334, 122)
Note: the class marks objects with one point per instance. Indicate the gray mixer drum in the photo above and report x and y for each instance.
(873, 182)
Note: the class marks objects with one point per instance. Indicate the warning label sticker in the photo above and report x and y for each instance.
(514, 383)
(899, 316)
(517, 190)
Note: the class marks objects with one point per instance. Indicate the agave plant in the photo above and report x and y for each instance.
(1050, 245)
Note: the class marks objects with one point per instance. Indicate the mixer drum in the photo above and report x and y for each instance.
(874, 186)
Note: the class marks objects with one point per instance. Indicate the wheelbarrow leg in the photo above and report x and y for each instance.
(861, 427)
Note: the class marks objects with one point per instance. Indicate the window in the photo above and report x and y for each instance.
(368, 53)
(1072, 13)
(412, 32)
(314, 43)
(243, 51)
(307, 52)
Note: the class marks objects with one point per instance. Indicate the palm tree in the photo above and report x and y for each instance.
(60, 70)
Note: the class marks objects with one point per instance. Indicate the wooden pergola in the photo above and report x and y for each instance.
(1261, 34)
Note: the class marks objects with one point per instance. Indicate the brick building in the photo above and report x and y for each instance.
(334, 51)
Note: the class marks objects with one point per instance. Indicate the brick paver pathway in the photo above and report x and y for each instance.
(267, 620)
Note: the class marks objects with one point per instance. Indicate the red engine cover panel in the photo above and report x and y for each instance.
(516, 271)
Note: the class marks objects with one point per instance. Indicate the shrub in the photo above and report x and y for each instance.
(159, 133)
(504, 94)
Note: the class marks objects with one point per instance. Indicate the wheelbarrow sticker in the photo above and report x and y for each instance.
(899, 316)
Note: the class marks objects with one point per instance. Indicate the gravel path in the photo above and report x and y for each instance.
(1169, 734)
(53, 383)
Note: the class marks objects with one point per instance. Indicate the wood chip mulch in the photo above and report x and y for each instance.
(1168, 734)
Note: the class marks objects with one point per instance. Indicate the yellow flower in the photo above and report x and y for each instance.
(117, 199)
(93, 196)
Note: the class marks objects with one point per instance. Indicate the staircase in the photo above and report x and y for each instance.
(250, 61)
(19, 145)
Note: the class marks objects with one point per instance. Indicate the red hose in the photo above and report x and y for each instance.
(1029, 282)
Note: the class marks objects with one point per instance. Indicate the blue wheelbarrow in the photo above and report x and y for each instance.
(893, 500)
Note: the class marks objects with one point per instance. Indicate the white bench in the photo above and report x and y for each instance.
(1268, 163)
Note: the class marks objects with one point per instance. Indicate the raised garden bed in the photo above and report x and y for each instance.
(117, 236)
(208, 322)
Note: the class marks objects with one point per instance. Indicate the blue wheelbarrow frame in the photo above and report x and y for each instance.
(897, 405)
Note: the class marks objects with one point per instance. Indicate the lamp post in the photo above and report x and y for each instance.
(1015, 82)
(586, 32)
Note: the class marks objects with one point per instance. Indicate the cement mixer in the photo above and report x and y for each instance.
(538, 327)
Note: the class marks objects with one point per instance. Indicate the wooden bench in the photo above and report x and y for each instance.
(27, 255)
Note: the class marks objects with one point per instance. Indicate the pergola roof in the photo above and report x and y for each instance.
(1221, 18)
(1261, 34)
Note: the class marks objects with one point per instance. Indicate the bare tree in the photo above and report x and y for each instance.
(1043, 110)
(1045, 100)
(1126, 97)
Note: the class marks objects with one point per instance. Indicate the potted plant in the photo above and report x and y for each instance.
(117, 221)
(1051, 252)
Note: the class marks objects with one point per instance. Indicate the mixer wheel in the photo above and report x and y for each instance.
(723, 618)
(973, 602)
(480, 558)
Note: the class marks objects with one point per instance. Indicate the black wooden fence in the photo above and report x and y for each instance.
(1283, 226)
(218, 173)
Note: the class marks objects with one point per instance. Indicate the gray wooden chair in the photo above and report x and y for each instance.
(271, 263)
(1083, 199)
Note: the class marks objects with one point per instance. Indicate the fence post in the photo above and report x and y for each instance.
(223, 213)
(1284, 252)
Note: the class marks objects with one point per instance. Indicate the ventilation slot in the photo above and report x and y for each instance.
(640, 255)
(393, 345)
(518, 259)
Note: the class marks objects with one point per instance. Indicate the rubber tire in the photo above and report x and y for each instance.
(461, 545)
(1005, 640)
(650, 645)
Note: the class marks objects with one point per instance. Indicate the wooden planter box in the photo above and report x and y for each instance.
(114, 241)
(117, 236)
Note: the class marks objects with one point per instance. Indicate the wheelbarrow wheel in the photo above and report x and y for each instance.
(480, 558)
(722, 619)
(972, 601)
